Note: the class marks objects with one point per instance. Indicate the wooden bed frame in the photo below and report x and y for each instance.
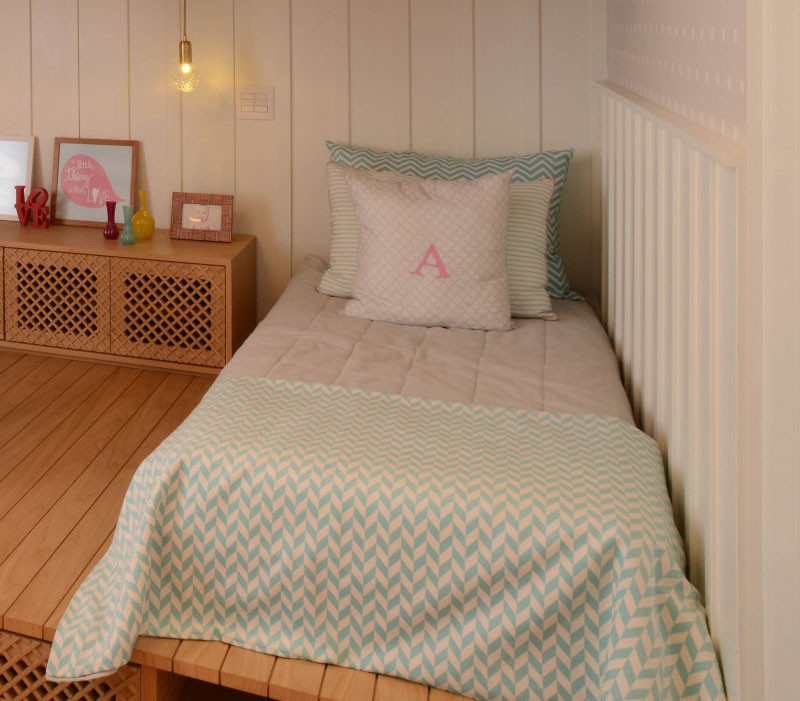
(72, 434)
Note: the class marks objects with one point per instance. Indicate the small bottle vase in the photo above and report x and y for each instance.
(110, 231)
(128, 235)
(143, 223)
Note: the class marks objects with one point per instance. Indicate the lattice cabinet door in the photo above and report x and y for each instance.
(22, 676)
(56, 299)
(168, 311)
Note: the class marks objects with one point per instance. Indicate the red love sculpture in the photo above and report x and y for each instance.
(35, 203)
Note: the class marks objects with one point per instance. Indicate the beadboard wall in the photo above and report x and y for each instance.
(463, 77)
(685, 55)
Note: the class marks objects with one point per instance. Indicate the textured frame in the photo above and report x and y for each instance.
(133, 145)
(223, 235)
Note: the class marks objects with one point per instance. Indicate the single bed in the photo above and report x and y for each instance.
(471, 510)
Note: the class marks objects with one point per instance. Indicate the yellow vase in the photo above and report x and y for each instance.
(143, 223)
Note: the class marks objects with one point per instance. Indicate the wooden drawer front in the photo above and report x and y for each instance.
(57, 299)
(168, 311)
(22, 676)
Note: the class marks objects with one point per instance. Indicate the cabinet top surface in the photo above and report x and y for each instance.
(90, 241)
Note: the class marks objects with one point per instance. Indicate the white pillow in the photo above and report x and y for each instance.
(432, 253)
(526, 241)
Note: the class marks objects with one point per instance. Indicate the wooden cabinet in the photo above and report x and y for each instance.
(172, 304)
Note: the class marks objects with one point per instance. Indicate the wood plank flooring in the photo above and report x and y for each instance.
(72, 433)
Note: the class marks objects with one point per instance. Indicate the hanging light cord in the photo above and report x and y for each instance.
(184, 19)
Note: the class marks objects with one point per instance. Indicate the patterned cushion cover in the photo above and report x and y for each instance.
(526, 241)
(548, 164)
(432, 252)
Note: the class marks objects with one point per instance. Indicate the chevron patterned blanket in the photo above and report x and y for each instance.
(497, 553)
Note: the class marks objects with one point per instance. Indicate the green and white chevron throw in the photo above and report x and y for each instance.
(497, 553)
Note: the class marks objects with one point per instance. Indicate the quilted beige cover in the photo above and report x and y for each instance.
(563, 366)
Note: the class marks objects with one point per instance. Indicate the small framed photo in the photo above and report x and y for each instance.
(16, 166)
(201, 217)
(87, 173)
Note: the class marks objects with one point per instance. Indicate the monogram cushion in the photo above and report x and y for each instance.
(431, 253)
(526, 241)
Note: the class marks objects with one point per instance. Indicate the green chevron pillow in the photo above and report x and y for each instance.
(535, 166)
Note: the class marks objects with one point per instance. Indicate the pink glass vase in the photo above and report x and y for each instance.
(111, 231)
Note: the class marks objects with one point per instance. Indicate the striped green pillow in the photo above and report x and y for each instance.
(548, 164)
(526, 242)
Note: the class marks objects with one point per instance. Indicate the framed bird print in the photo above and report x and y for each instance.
(87, 173)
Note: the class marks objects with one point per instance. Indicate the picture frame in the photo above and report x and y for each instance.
(89, 172)
(16, 168)
(198, 216)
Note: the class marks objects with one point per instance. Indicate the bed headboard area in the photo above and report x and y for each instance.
(672, 198)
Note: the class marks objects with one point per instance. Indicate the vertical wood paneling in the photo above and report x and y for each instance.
(264, 148)
(208, 113)
(567, 113)
(320, 111)
(442, 77)
(507, 90)
(379, 74)
(155, 105)
(103, 68)
(15, 77)
(54, 80)
(672, 222)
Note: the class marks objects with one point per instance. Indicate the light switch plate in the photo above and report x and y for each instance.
(255, 102)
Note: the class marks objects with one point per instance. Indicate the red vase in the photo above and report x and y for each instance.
(111, 231)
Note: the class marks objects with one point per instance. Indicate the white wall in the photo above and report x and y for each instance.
(685, 55)
(464, 77)
(774, 153)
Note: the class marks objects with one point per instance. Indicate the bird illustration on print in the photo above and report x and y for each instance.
(85, 182)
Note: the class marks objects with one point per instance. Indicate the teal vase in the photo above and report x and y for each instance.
(128, 236)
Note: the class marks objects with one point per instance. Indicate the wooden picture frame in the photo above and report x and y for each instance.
(95, 173)
(214, 217)
(13, 172)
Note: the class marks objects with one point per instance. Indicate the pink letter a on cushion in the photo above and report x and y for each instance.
(436, 264)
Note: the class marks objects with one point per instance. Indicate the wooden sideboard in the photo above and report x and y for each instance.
(179, 305)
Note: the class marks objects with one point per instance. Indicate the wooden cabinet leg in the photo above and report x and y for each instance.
(157, 685)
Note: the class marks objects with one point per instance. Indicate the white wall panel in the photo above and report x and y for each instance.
(507, 90)
(670, 297)
(320, 111)
(54, 80)
(208, 113)
(379, 73)
(103, 66)
(15, 77)
(442, 77)
(264, 148)
(155, 105)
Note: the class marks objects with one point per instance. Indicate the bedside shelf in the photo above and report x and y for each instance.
(179, 305)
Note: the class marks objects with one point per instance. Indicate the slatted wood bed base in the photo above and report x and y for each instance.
(72, 433)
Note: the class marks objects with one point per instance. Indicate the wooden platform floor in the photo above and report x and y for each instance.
(72, 434)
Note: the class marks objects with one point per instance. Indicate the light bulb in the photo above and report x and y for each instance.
(186, 78)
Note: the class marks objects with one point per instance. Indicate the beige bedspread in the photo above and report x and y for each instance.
(558, 366)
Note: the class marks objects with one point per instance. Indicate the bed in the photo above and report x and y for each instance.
(472, 510)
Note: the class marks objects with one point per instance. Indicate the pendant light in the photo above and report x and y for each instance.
(186, 78)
